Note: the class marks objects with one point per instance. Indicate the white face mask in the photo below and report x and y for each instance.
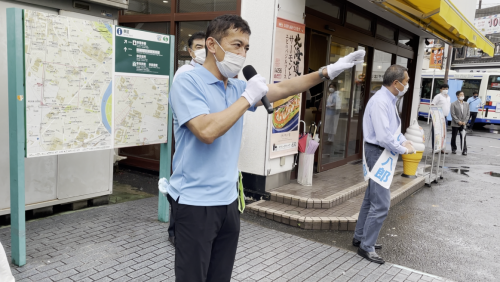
(231, 65)
(401, 93)
(445, 92)
(331, 90)
(200, 56)
(461, 98)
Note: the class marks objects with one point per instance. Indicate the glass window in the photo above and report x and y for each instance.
(359, 21)
(473, 52)
(324, 7)
(163, 27)
(385, 31)
(193, 6)
(184, 32)
(356, 123)
(136, 7)
(403, 38)
(381, 62)
(402, 61)
(494, 82)
(426, 88)
(470, 85)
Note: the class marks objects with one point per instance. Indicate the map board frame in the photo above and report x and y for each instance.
(17, 132)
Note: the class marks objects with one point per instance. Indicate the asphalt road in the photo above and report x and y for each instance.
(451, 229)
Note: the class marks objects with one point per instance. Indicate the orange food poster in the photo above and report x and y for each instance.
(288, 63)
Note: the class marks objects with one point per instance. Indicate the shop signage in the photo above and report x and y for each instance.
(288, 63)
(488, 24)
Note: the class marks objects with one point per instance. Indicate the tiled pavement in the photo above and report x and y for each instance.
(125, 242)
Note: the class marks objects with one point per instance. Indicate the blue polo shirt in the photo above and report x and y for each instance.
(204, 175)
(474, 104)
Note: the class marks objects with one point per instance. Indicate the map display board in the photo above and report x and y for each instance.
(68, 64)
(288, 63)
(82, 94)
(141, 86)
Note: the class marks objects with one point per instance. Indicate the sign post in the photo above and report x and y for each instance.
(150, 56)
(136, 90)
(166, 149)
(15, 61)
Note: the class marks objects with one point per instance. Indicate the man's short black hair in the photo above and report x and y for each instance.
(444, 85)
(218, 27)
(458, 92)
(475, 92)
(196, 35)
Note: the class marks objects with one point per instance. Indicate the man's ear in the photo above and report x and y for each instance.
(210, 44)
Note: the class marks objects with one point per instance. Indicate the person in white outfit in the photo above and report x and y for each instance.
(5, 273)
(442, 100)
(333, 106)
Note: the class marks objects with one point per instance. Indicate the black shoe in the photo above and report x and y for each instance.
(172, 240)
(454, 152)
(373, 257)
(464, 153)
(356, 243)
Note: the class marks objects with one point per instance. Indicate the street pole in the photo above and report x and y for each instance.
(448, 63)
(15, 62)
(480, 1)
(166, 148)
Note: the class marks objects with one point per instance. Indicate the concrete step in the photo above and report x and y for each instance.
(340, 217)
(347, 184)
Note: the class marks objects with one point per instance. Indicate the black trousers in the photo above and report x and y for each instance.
(454, 132)
(206, 239)
(473, 116)
(171, 227)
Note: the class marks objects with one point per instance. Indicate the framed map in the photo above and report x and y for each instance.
(68, 73)
(92, 86)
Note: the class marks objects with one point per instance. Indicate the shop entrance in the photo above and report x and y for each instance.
(337, 104)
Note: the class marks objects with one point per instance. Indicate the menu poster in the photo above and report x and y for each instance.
(439, 124)
(288, 63)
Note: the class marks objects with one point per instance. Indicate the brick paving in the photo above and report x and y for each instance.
(125, 242)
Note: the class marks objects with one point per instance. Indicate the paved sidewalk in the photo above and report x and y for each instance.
(125, 242)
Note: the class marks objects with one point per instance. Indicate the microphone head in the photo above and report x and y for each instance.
(249, 72)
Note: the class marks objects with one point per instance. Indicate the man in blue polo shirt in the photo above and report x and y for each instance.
(474, 105)
(208, 106)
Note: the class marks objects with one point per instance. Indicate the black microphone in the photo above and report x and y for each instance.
(250, 72)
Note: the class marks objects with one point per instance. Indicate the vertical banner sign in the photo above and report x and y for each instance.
(141, 85)
(439, 124)
(288, 63)
(436, 58)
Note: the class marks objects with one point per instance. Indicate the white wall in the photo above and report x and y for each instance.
(47, 178)
(261, 15)
(467, 8)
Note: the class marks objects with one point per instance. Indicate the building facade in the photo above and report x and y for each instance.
(468, 59)
(333, 28)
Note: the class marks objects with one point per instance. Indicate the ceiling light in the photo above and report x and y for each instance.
(165, 1)
(189, 34)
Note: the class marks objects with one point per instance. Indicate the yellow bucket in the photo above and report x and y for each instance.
(410, 163)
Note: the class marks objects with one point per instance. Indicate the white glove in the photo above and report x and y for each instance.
(256, 89)
(406, 142)
(162, 185)
(345, 63)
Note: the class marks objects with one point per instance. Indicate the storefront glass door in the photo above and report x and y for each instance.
(341, 106)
